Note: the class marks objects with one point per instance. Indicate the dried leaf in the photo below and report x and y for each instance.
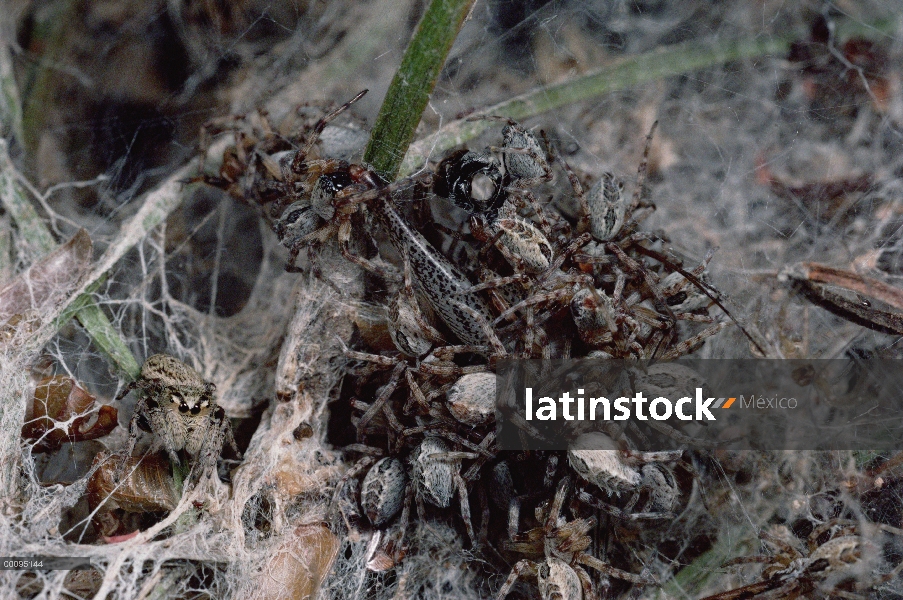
(49, 280)
(299, 565)
(61, 411)
(146, 485)
(20, 325)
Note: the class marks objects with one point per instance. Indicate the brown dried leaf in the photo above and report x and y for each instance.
(146, 485)
(61, 411)
(20, 325)
(49, 279)
(299, 565)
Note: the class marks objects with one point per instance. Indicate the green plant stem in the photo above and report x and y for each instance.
(412, 85)
(690, 581)
(39, 241)
(620, 74)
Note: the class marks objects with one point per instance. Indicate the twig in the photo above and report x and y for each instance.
(10, 103)
(412, 85)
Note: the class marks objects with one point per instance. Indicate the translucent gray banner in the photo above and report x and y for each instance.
(750, 404)
(43, 563)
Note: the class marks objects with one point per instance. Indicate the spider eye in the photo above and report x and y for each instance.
(195, 409)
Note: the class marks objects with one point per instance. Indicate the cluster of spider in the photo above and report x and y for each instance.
(530, 283)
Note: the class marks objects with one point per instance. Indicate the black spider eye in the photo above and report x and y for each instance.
(195, 409)
(183, 408)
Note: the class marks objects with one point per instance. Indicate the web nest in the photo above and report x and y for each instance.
(279, 361)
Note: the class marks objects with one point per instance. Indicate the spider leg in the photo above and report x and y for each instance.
(318, 128)
(490, 334)
(589, 590)
(358, 468)
(381, 399)
(487, 452)
(465, 507)
(428, 331)
(522, 567)
(378, 359)
(602, 567)
(140, 406)
(624, 515)
(229, 436)
(692, 344)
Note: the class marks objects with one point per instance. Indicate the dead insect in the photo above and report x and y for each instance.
(179, 407)
(470, 180)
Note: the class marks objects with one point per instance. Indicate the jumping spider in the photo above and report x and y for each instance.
(179, 407)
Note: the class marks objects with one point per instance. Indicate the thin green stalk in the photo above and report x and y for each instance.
(620, 74)
(412, 85)
(102, 332)
(52, 31)
(39, 242)
(691, 580)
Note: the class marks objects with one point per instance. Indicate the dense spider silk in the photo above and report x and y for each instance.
(726, 132)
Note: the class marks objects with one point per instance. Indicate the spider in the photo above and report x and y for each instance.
(604, 210)
(423, 352)
(837, 566)
(436, 475)
(560, 547)
(435, 478)
(264, 166)
(596, 459)
(179, 408)
(313, 199)
(474, 181)
(382, 494)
